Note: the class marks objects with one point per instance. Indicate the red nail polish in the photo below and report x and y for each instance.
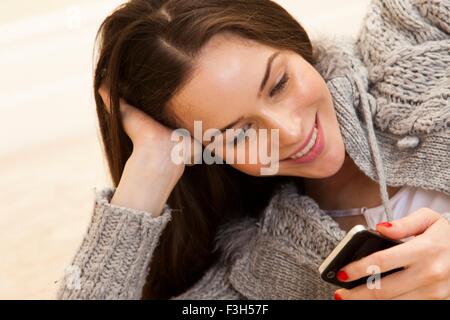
(385, 224)
(342, 276)
(337, 296)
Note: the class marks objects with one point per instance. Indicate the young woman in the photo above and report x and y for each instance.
(353, 117)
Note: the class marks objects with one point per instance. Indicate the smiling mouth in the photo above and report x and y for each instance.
(308, 144)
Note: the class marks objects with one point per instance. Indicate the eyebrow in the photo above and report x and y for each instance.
(261, 88)
(268, 69)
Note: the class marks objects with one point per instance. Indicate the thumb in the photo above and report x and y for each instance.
(411, 225)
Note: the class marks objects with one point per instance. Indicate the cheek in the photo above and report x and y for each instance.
(334, 152)
(251, 165)
(310, 88)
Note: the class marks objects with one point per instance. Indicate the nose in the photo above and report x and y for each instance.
(289, 123)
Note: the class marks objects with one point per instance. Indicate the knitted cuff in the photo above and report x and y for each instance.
(112, 261)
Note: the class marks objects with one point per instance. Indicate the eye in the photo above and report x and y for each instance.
(280, 85)
(240, 136)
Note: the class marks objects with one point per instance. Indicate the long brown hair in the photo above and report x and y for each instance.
(146, 50)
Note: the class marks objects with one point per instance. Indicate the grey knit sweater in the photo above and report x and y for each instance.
(391, 91)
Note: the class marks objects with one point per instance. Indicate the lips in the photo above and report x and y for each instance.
(307, 140)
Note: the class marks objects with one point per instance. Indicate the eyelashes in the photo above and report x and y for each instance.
(238, 138)
(280, 85)
(275, 90)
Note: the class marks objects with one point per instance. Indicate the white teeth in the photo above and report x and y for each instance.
(308, 146)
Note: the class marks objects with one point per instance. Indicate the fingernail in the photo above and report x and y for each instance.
(385, 224)
(337, 296)
(342, 276)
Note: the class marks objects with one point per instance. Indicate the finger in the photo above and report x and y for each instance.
(411, 225)
(104, 93)
(385, 288)
(136, 123)
(402, 255)
(431, 292)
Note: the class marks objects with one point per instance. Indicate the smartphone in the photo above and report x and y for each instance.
(359, 242)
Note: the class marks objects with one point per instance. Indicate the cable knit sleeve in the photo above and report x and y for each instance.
(113, 259)
(281, 260)
(405, 45)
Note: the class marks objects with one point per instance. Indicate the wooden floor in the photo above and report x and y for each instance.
(50, 157)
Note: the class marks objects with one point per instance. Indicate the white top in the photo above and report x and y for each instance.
(404, 202)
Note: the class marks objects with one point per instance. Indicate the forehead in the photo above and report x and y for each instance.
(228, 74)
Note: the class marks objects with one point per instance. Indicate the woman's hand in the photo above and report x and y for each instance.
(425, 258)
(149, 137)
(150, 173)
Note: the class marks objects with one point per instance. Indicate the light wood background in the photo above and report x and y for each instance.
(50, 156)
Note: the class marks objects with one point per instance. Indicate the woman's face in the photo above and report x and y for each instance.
(241, 84)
